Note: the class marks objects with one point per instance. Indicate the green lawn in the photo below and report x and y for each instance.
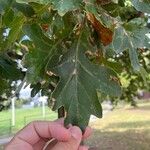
(23, 116)
(123, 129)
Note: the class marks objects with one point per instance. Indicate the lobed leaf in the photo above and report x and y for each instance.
(9, 69)
(65, 6)
(42, 56)
(15, 29)
(130, 40)
(78, 85)
(142, 5)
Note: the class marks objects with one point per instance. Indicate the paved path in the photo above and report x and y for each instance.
(93, 118)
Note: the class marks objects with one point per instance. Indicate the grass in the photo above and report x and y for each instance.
(123, 129)
(23, 116)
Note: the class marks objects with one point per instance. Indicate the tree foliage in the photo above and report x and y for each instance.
(133, 83)
(73, 49)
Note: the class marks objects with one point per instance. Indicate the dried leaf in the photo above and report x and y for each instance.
(105, 34)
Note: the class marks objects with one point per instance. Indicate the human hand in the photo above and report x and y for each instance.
(37, 135)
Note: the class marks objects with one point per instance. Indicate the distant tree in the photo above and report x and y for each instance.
(132, 82)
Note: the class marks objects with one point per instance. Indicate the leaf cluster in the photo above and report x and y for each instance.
(72, 49)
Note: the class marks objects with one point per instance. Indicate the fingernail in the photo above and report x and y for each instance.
(75, 132)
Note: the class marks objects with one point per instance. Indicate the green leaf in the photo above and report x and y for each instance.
(121, 3)
(116, 66)
(8, 17)
(35, 62)
(142, 5)
(35, 89)
(40, 8)
(79, 81)
(41, 56)
(99, 13)
(36, 58)
(111, 7)
(90, 7)
(144, 75)
(65, 6)
(39, 39)
(26, 9)
(130, 40)
(33, 8)
(5, 4)
(15, 29)
(8, 69)
(2, 30)
(3, 85)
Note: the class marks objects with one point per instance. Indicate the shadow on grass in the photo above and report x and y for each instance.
(141, 108)
(127, 140)
(129, 125)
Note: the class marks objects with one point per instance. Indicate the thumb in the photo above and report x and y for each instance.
(73, 143)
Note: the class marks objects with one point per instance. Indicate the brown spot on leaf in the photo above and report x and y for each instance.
(104, 33)
(45, 27)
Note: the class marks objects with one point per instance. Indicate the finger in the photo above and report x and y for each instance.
(43, 143)
(60, 121)
(69, 126)
(52, 130)
(73, 142)
(83, 148)
(76, 134)
(43, 130)
(39, 146)
(87, 133)
(18, 145)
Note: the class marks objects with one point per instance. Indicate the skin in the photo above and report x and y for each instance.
(49, 136)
